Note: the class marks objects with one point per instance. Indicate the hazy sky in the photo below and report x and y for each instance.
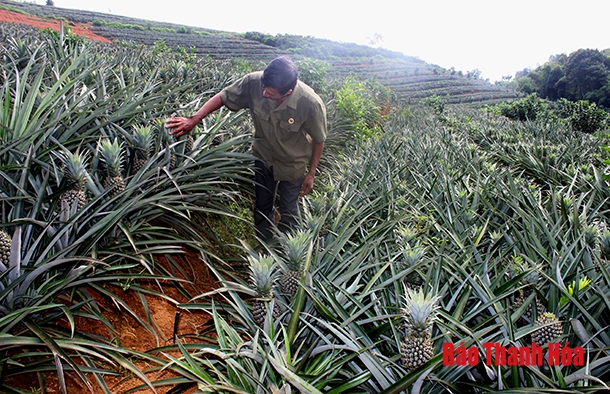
(496, 37)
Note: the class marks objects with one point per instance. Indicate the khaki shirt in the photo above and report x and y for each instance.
(283, 134)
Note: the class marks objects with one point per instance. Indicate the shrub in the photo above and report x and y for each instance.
(436, 102)
(313, 73)
(360, 104)
(583, 116)
(527, 108)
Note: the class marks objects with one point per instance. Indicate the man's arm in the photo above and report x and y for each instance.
(316, 154)
(180, 125)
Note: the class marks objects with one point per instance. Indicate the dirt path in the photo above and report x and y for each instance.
(81, 29)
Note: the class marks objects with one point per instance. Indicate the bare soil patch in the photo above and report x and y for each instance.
(81, 29)
(131, 334)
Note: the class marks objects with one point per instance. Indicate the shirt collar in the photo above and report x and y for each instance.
(294, 96)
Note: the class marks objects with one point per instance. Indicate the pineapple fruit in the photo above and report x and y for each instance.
(189, 144)
(111, 154)
(549, 329)
(141, 140)
(419, 314)
(262, 276)
(604, 250)
(295, 246)
(604, 244)
(75, 173)
(5, 248)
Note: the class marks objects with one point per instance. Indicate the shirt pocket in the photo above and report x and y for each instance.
(262, 120)
(290, 127)
(261, 114)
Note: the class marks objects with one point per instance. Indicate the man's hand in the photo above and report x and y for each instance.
(180, 126)
(307, 184)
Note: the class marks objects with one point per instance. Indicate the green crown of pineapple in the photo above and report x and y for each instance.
(410, 256)
(591, 236)
(142, 140)
(75, 172)
(262, 276)
(111, 155)
(295, 246)
(419, 313)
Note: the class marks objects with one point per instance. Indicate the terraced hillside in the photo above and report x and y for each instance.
(412, 80)
(409, 77)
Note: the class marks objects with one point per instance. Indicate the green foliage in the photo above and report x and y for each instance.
(117, 25)
(436, 102)
(64, 96)
(359, 103)
(471, 211)
(184, 30)
(313, 72)
(160, 47)
(527, 108)
(583, 116)
(446, 204)
(583, 75)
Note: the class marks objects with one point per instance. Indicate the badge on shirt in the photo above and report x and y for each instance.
(290, 121)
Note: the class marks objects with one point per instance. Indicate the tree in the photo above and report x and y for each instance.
(583, 75)
(586, 71)
(548, 78)
(50, 3)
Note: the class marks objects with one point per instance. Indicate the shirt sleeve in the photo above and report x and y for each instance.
(315, 125)
(237, 95)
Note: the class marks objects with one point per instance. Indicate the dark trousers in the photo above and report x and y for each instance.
(266, 188)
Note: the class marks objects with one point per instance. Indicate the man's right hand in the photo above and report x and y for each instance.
(180, 126)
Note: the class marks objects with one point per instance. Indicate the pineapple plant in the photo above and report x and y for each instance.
(531, 280)
(295, 246)
(549, 329)
(410, 257)
(604, 244)
(75, 173)
(419, 313)
(141, 140)
(262, 276)
(5, 248)
(111, 154)
(591, 236)
(604, 250)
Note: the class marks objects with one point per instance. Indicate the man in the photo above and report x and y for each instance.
(289, 133)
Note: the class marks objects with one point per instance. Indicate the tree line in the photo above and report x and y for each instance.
(582, 75)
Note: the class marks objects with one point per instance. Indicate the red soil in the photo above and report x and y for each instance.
(81, 29)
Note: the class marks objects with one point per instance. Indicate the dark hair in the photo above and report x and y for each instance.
(280, 74)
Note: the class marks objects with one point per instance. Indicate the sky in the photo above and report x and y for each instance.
(498, 38)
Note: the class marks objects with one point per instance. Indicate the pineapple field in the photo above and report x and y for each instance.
(445, 248)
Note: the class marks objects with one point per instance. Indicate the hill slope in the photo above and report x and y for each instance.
(409, 77)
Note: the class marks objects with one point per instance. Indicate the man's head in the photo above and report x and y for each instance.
(280, 74)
